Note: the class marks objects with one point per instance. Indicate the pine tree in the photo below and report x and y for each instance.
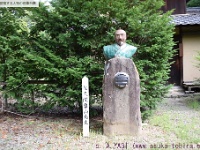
(66, 42)
(13, 38)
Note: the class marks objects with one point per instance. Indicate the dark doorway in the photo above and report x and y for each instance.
(175, 70)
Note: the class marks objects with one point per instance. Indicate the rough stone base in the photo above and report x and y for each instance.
(121, 107)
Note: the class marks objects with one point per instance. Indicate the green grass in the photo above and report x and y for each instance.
(164, 127)
(185, 128)
(193, 102)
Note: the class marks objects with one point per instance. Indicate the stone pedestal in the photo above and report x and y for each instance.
(121, 106)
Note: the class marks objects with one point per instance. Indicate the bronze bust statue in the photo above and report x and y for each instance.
(121, 48)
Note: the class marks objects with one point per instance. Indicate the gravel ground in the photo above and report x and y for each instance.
(64, 132)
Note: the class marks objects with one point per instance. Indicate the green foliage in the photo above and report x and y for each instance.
(193, 102)
(173, 122)
(197, 58)
(13, 37)
(65, 43)
(193, 3)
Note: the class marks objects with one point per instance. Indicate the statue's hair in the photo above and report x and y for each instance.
(120, 29)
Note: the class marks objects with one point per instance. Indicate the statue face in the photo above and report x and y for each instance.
(120, 37)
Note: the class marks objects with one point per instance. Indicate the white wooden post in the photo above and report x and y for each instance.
(85, 104)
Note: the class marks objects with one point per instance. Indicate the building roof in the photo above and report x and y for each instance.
(186, 19)
(193, 10)
(192, 17)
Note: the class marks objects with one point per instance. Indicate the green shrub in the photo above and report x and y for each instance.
(66, 41)
(193, 3)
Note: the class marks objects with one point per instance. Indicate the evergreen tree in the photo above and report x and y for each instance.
(193, 3)
(66, 42)
(13, 40)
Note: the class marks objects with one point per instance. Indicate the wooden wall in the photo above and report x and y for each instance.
(179, 6)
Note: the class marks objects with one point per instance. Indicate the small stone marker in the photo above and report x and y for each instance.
(121, 98)
(85, 104)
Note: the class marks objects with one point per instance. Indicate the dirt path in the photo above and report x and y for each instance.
(162, 131)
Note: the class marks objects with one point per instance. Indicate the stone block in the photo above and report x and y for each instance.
(121, 106)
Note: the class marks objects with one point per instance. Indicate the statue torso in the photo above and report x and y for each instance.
(115, 50)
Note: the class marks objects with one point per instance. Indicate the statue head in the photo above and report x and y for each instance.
(120, 37)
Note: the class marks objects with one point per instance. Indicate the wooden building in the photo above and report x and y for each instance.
(187, 38)
(179, 6)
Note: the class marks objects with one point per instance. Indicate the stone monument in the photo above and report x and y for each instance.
(121, 89)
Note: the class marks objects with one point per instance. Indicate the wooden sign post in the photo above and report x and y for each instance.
(85, 105)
